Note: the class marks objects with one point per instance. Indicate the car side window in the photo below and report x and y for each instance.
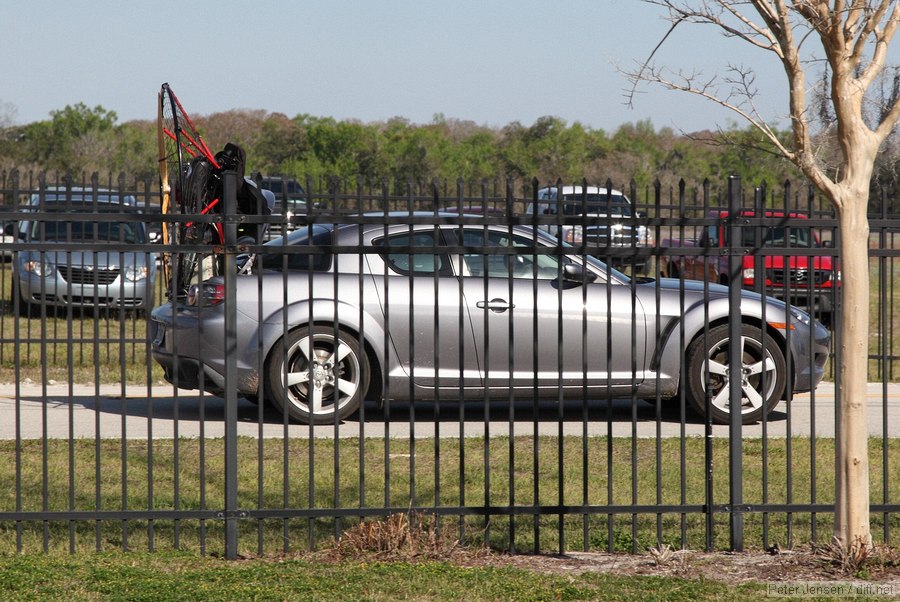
(503, 265)
(416, 264)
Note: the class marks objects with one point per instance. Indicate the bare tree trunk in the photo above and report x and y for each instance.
(851, 526)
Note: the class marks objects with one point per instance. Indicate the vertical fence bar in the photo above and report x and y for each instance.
(229, 180)
(707, 431)
(884, 330)
(735, 361)
(508, 214)
(813, 485)
(682, 388)
(760, 278)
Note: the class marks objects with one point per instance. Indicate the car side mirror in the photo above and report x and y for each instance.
(575, 272)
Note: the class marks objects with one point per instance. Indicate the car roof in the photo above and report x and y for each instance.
(56, 198)
(392, 227)
(569, 190)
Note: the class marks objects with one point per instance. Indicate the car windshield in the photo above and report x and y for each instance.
(291, 187)
(129, 232)
(596, 204)
(779, 236)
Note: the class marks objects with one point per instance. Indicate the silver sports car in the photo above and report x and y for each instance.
(341, 313)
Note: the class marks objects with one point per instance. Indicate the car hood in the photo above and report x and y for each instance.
(676, 284)
(709, 290)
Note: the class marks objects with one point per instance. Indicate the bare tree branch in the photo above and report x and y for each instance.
(638, 77)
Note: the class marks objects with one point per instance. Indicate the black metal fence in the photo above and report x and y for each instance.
(422, 348)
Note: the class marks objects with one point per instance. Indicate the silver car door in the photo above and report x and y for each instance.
(536, 329)
(430, 332)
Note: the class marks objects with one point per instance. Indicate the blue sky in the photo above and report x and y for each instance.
(487, 61)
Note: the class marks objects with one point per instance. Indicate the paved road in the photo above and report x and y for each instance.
(83, 411)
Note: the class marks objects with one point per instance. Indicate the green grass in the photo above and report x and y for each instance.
(111, 347)
(175, 576)
(84, 475)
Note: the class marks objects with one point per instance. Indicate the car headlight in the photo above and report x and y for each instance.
(37, 267)
(135, 273)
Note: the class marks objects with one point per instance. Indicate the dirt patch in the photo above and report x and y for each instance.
(798, 565)
(415, 538)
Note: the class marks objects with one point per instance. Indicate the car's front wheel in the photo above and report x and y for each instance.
(762, 373)
(318, 375)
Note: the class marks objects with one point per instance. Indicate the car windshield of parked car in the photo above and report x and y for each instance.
(779, 236)
(317, 239)
(596, 204)
(88, 231)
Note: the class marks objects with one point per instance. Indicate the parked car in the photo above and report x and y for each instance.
(6, 241)
(509, 313)
(609, 212)
(486, 210)
(82, 262)
(809, 281)
(287, 198)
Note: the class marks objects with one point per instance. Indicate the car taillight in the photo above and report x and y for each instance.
(205, 295)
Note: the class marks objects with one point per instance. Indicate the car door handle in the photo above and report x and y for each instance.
(496, 305)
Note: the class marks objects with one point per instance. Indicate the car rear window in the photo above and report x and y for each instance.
(319, 237)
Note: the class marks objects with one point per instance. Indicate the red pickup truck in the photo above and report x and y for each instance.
(808, 281)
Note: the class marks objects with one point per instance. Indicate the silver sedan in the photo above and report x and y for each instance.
(341, 313)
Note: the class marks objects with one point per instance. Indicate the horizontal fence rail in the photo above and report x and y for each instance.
(531, 366)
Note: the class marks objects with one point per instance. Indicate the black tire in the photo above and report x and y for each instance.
(715, 347)
(289, 364)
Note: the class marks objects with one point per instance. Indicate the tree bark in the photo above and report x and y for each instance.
(851, 526)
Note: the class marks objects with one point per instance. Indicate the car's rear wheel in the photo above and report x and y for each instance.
(318, 375)
(762, 373)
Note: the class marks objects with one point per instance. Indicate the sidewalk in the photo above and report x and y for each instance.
(77, 410)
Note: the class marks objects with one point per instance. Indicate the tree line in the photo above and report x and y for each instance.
(79, 139)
